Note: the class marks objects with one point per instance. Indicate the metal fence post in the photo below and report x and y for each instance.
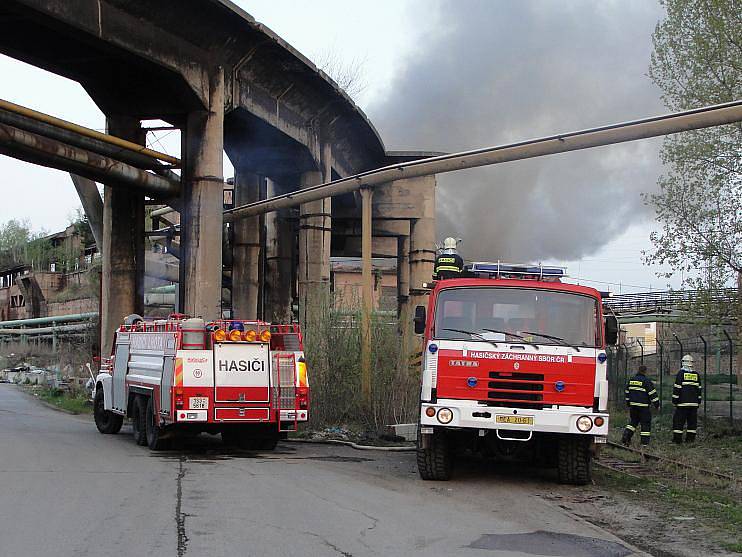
(681, 347)
(731, 392)
(662, 369)
(625, 363)
(705, 386)
(641, 345)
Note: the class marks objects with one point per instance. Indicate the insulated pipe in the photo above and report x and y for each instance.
(46, 330)
(45, 320)
(135, 158)
(42, 150)
(87, 132)
(705, 117)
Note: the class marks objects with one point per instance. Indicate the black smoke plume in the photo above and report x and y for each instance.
(487, 73)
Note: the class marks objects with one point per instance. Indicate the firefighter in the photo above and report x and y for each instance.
(640, 393)
(686, 397)
(448, 263)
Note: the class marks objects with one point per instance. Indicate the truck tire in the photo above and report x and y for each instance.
(106, 421)
(436, 461)
(152, 428)
(574, 464)
(268, 443)
(139, 420)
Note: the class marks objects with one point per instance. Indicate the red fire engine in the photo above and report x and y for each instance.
(514, 365)
(244, 379)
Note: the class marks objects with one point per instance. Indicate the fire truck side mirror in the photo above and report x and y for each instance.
(419, 320)
(611, 330)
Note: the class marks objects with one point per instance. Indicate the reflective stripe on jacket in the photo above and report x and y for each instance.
(640, 392)
(687, 390)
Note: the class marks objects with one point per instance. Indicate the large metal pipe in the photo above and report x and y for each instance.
(42, 150)
(134, 158)
(45, 320)
(49, 124)
(46, 330)
(606, 135)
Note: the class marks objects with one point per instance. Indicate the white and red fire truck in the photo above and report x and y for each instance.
(244, 379)
(514, 364)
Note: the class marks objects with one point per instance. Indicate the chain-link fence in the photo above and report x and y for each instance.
(714, 361)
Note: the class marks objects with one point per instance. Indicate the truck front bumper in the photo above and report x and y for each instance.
(470, 415)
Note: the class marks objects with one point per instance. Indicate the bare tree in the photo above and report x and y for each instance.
(348, 74)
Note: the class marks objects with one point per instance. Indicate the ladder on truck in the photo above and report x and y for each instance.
(285, 390)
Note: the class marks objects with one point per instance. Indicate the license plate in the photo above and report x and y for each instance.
(516, 420)
(199, 403)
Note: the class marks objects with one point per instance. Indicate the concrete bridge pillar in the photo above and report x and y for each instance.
(246, 248)
(279, 246)
(315, 227)
(122, 273)
(201, 215)
(403, 274)
(422, 240)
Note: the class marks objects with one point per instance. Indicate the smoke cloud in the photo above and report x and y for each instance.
(487, 73)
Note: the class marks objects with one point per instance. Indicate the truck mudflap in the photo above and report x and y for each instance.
(461, 414)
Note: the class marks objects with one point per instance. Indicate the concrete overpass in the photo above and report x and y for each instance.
(228, 83)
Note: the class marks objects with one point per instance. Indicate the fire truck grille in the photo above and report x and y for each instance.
(514, 389)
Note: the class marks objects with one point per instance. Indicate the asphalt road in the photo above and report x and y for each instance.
(66, 490)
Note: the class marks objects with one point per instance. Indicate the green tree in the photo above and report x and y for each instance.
(697, 60)
(14, 238)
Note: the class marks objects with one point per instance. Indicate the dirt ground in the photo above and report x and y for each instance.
(638, 516)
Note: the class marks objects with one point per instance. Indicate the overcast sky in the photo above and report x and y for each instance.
(454, 75)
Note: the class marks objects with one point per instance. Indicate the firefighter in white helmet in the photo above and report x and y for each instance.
(686, 397)
(448, 263)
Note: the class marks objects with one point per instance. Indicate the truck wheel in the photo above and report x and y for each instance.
(153, 430)
(436, 461)
(574, 464)
(268, 443)
(138, 420)
(105, 420)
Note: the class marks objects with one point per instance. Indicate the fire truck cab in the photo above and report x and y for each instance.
(514, 365)
(244, 379)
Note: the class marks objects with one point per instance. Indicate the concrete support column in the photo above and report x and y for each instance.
(279, 239)
(246, 248)
(403, 274)
(201, 215)
(122, 273)
(422, 241)
(315, 225)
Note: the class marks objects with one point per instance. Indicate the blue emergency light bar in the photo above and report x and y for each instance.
(512, 270)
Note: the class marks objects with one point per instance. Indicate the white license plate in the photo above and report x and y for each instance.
(199, 403)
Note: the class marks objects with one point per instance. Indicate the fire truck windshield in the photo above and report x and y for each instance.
(505, 313)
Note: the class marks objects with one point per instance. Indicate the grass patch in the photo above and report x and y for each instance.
(77, 403)
(717, 509)
(678, 489)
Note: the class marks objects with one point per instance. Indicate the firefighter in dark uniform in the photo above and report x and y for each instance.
(640, 393)
(686, 397)
(448, 263)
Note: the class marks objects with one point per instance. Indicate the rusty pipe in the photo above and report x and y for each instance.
(42, 150)
(87, 132)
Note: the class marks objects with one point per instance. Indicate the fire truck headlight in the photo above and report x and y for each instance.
(584, 423)
(430, 411)
(599, 421)
(445, 415)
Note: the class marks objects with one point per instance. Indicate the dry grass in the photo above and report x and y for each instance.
(333, 351)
